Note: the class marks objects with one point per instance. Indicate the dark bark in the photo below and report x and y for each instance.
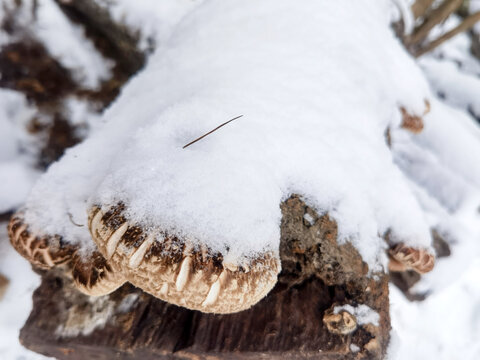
(113, 40)
(27, 67)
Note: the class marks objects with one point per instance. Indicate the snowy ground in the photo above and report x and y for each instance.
(444, 326)
(17, 301)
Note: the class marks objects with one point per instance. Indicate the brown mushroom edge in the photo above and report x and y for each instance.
(403, 258)
(91, 273)
(43, 252)
(170, 269)
(94, 276)
(414, 123)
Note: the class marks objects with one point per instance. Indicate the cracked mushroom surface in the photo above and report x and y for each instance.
(198, 226)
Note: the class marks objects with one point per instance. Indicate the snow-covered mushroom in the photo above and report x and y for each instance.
(198, 226)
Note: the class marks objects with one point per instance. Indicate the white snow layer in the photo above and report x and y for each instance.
(153, 19)
(16, 173)
(16, 304)
(315, 109)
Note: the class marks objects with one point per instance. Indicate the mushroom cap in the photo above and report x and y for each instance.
(342, 323)
(171, 269)
(92, 274)
(404, 257)
(44, 251)
(412, 122)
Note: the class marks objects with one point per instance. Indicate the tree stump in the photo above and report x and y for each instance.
(299, 319)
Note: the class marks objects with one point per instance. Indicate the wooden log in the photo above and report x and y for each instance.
(318, 274)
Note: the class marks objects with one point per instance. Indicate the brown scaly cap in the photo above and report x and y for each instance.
(403, 258)
(94, 276)
(168, 268)
(43, 252)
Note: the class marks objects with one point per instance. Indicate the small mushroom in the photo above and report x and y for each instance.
(169, 268)
(341, 323)
(412, 123)
(403, 258)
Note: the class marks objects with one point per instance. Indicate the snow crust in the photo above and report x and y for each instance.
(297, 135)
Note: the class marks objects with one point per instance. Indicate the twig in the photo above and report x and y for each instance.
(435, 17)
(70, 216)
(420, 7)
(211, 131)
(463, 26)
